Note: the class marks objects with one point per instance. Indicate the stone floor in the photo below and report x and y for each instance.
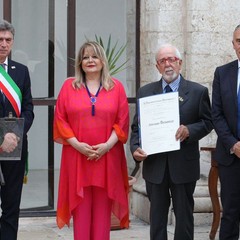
(44, 228)
(35, 194)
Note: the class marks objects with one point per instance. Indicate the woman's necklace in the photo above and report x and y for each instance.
(93, 99)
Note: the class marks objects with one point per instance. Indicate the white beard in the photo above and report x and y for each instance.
(169, 78)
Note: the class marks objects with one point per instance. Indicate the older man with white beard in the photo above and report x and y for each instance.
(174, 173)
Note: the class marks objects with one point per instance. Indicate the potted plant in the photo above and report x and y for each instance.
(113, 54)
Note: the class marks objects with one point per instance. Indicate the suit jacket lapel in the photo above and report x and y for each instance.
(11, 69)
(183, 92)
(158, 89)
(233, 77)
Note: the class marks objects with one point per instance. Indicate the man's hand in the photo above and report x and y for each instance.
(10, 142)
(139, 154)
(182, 133)
(236, 149)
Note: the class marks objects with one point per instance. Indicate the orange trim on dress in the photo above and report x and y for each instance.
(63, 217)
(120, 133)
(60, 133)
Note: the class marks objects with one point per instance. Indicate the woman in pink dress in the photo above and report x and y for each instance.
(92, 122)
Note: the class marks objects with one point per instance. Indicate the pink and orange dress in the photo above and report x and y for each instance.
(73, 118)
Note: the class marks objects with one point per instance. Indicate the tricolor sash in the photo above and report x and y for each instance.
(11, 91)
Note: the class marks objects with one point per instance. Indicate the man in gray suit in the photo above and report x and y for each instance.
(173, 175)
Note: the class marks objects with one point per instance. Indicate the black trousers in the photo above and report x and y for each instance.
(11, 192)
(160, 196)
(230, 198)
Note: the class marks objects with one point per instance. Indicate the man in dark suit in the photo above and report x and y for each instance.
(226, 118)
(16, 100)
(174, 174)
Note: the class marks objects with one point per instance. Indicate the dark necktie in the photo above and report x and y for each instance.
(168, 89)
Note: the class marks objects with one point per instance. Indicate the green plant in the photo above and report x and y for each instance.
(113, 53)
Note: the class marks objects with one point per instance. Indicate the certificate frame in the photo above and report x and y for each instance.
(159, 119)
(16, 126)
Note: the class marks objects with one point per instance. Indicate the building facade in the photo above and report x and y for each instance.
(49, 33)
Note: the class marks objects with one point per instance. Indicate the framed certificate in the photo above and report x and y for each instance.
(158, 123)
(14, 125)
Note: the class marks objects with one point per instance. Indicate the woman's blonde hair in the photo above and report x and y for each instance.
(80, 78)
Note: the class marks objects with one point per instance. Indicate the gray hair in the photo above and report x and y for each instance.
(167, 45)
(6, 26)
(237, 27)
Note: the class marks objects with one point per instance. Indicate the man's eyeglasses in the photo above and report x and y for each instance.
(169, 59)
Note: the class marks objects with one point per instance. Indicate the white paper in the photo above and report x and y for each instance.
(158, 123)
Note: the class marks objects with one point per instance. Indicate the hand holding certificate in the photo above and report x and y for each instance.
(158, 123)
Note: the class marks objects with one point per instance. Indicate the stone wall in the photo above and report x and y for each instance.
(202, 30)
